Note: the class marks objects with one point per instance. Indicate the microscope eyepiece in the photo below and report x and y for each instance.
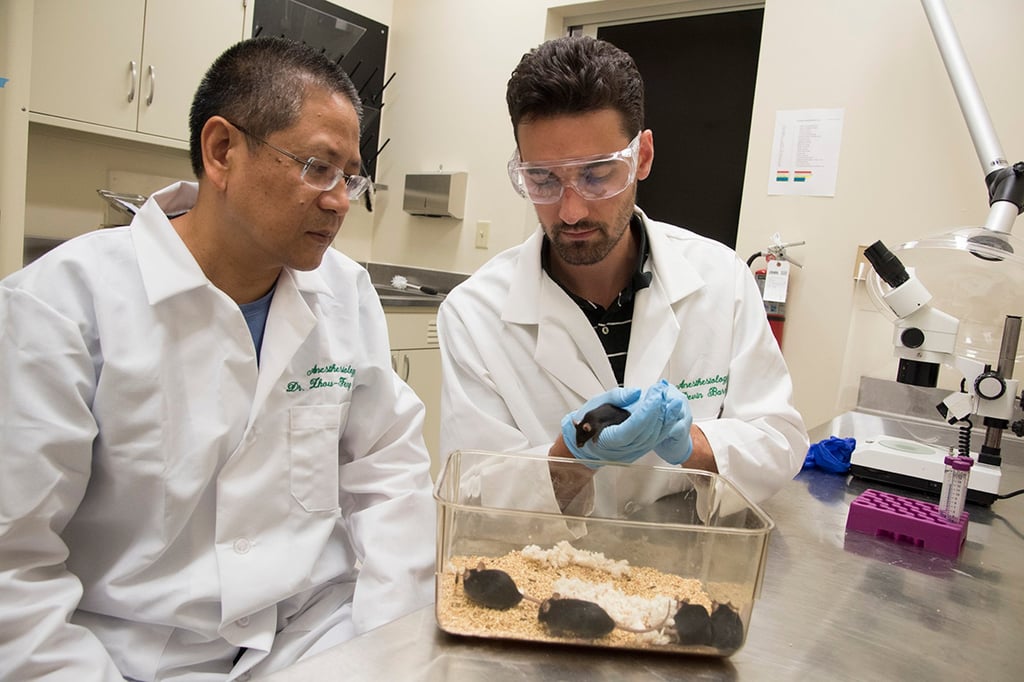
(887, 265)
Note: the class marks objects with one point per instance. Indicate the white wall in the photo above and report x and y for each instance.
(446, 110)
(15, 65)
(65, 167)
(907, 167)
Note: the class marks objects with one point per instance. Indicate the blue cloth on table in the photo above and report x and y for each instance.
(831, 454)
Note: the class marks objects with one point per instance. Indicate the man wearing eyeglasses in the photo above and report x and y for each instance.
(209, 468)
(605, 305)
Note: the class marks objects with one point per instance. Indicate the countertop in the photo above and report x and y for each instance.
(441, 281)
(394, 298)
(834, 605)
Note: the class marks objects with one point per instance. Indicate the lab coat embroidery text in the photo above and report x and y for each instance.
(715, 386)
(325, 377)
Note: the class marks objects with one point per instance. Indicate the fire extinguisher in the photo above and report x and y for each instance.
(772, 281)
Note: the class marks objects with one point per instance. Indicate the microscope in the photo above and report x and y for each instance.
(926, 337)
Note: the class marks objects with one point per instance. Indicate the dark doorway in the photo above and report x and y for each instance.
(699, 74)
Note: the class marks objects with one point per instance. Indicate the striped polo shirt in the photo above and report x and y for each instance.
(614, 323)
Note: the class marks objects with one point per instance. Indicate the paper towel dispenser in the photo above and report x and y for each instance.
(439, 195)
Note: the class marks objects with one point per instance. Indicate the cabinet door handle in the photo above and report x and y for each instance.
(394, 363)
(152, 84)
(407, 368)
(135, 78)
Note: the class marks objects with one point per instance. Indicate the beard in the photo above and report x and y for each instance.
(594, 248)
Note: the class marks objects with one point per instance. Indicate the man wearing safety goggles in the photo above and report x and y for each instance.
(604, 305)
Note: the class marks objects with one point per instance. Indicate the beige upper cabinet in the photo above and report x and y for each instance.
(130, 66)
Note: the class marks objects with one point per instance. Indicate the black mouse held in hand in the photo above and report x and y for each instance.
(595, 421)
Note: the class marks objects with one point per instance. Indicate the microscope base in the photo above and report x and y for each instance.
(909, 464)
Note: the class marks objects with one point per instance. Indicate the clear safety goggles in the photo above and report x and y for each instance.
(592, 177)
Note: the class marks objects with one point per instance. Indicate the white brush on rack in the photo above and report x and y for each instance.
(401, 283)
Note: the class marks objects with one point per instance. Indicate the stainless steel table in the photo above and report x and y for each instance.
(834, 606)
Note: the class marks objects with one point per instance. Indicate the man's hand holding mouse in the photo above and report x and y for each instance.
(658, 420)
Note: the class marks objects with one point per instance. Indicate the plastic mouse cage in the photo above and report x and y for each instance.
(516, 554)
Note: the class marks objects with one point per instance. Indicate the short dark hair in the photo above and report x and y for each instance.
(576, 75)
(260, 84)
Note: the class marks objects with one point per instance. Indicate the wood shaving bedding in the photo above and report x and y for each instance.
(635, 596)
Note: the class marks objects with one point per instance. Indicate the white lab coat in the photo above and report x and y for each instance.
(518, 354)
(159, 489)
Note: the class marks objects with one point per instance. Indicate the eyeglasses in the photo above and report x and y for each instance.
(592, 177)
(320, 174)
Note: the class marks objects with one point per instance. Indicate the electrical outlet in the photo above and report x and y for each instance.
(483, 233)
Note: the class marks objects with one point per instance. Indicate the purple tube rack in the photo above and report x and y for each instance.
(902, 519)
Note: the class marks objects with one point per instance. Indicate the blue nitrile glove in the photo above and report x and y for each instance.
(645, 427)
(603, 449)
(831, 454)
(675, 446)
